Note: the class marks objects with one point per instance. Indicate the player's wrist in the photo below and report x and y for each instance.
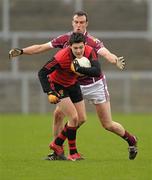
(76, 65)
(22, 52)
(50, 92)
(116, 61)
(53, 97)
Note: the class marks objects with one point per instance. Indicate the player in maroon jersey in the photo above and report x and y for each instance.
(63, 88)
(93, 89)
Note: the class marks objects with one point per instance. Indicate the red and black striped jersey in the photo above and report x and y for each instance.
(63, 75)
(62, 41)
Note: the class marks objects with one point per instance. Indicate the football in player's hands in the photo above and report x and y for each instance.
(83, 62)
(80, 62)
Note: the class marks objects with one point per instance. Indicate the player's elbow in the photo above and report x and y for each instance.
(97, 72)
(41, 74)
(96, 68)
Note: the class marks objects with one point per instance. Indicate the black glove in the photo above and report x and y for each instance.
(76, 65)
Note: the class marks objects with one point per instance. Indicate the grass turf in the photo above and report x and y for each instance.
(24, 143)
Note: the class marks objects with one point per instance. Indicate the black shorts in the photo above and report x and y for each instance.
(73, 91)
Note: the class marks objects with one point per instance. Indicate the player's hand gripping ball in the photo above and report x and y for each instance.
(83, 62)
(80, 62)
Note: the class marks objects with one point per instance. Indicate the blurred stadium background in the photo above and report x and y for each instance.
(125, 26)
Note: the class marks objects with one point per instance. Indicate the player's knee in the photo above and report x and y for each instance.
(107, 126)
(82, 119)
(81, 122)
(74, 119)
(58, 115)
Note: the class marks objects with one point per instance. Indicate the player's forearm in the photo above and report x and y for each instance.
(47, 69)
(34, 49)
(118, 61)
(42, 74)
(111, 58)
(43, 77)
(93, 71)
(104, 52)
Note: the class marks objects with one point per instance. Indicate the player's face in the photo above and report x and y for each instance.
(78, 49)
(79, 23)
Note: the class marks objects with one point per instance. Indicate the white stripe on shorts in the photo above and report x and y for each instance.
(96, 92)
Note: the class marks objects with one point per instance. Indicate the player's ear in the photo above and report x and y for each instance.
(87, 24)
(72, 23)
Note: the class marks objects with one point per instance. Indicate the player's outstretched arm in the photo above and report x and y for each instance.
(112, 58)
(34, 49)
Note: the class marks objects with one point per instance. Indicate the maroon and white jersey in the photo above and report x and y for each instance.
(63, 41)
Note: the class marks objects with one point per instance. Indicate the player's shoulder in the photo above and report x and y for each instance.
(62, 53)
(88, 47)
(65, 36)
(61, 41)
(91, 39)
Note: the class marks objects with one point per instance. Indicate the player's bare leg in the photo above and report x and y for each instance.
(58, 121)
(69, 130)
(57, 127)
(104, 114)
(71, 114)
(80, 107)
(58, 124)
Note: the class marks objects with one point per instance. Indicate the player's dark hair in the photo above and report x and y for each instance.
(77, 38)
(81, 13)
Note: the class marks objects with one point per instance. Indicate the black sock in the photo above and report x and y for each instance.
(61, 137)
(71, 135)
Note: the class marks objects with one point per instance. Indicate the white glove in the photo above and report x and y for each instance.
(120, 63)
(15, 52)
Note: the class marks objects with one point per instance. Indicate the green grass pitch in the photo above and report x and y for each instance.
(24, 143)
